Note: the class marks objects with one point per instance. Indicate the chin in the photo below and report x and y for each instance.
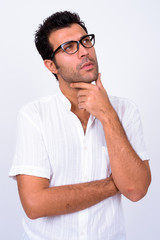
(91, 79)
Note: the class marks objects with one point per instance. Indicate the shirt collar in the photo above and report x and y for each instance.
(64, 99)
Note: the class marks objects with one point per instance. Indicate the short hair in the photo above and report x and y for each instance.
(55, 22)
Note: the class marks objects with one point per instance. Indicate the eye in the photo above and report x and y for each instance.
(69, 47)
(87, 41)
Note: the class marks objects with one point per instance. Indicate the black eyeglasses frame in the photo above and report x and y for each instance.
(78, 42)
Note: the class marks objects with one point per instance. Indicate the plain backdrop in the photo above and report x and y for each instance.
(128, 50)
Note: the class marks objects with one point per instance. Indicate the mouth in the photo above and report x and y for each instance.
(87, 66)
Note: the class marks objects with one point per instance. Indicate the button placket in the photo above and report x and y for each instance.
(86, 171)
(85, 174)
(83, 220)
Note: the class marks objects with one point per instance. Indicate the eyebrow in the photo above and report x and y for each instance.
(76, 40)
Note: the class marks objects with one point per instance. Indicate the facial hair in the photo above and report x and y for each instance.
(68, 75)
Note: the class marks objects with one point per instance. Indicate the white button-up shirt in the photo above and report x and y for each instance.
(51, 144)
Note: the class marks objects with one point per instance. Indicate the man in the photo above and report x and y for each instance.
(78, 150)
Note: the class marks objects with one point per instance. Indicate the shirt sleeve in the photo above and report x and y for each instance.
(134, 132)
(30, 157)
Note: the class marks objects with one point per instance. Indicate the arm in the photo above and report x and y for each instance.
(131, 175)
(39, 200)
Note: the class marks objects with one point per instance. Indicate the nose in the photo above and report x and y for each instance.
(82, 52)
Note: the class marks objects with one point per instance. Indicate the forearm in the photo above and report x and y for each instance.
(130, 173)
(66, 199)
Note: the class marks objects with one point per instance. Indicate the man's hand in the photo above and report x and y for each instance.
(93, 98)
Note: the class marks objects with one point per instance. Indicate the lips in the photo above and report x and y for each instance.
(87, 65)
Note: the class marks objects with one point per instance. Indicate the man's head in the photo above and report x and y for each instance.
(58, 29)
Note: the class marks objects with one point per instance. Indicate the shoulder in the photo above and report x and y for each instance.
(37, 109)
(38, 105)
(126, 109)
(118, 102)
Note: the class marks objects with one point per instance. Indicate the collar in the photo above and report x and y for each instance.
(64, 100)
(67, 104)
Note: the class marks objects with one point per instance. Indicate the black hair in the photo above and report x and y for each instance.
(55, 22)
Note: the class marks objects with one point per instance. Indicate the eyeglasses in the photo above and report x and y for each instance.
(72, 47)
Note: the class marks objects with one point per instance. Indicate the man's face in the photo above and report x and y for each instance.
(81, 66)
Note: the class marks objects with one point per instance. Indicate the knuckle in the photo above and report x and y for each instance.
(89, 98)
(91, 92)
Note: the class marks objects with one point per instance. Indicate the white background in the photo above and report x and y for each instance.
(128, 50)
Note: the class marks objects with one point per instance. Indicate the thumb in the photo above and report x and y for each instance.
(98, 81)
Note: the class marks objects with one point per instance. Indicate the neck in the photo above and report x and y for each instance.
(71, 94)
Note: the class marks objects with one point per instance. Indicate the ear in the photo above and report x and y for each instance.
(51, 66)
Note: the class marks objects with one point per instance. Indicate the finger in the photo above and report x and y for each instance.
(82, 99)
(82, 93)
(81, 105)
(82, 85)
(98, 81)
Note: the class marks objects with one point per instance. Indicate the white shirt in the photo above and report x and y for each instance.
(51, 143)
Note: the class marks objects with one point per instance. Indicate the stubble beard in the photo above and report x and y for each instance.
(69, 76)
